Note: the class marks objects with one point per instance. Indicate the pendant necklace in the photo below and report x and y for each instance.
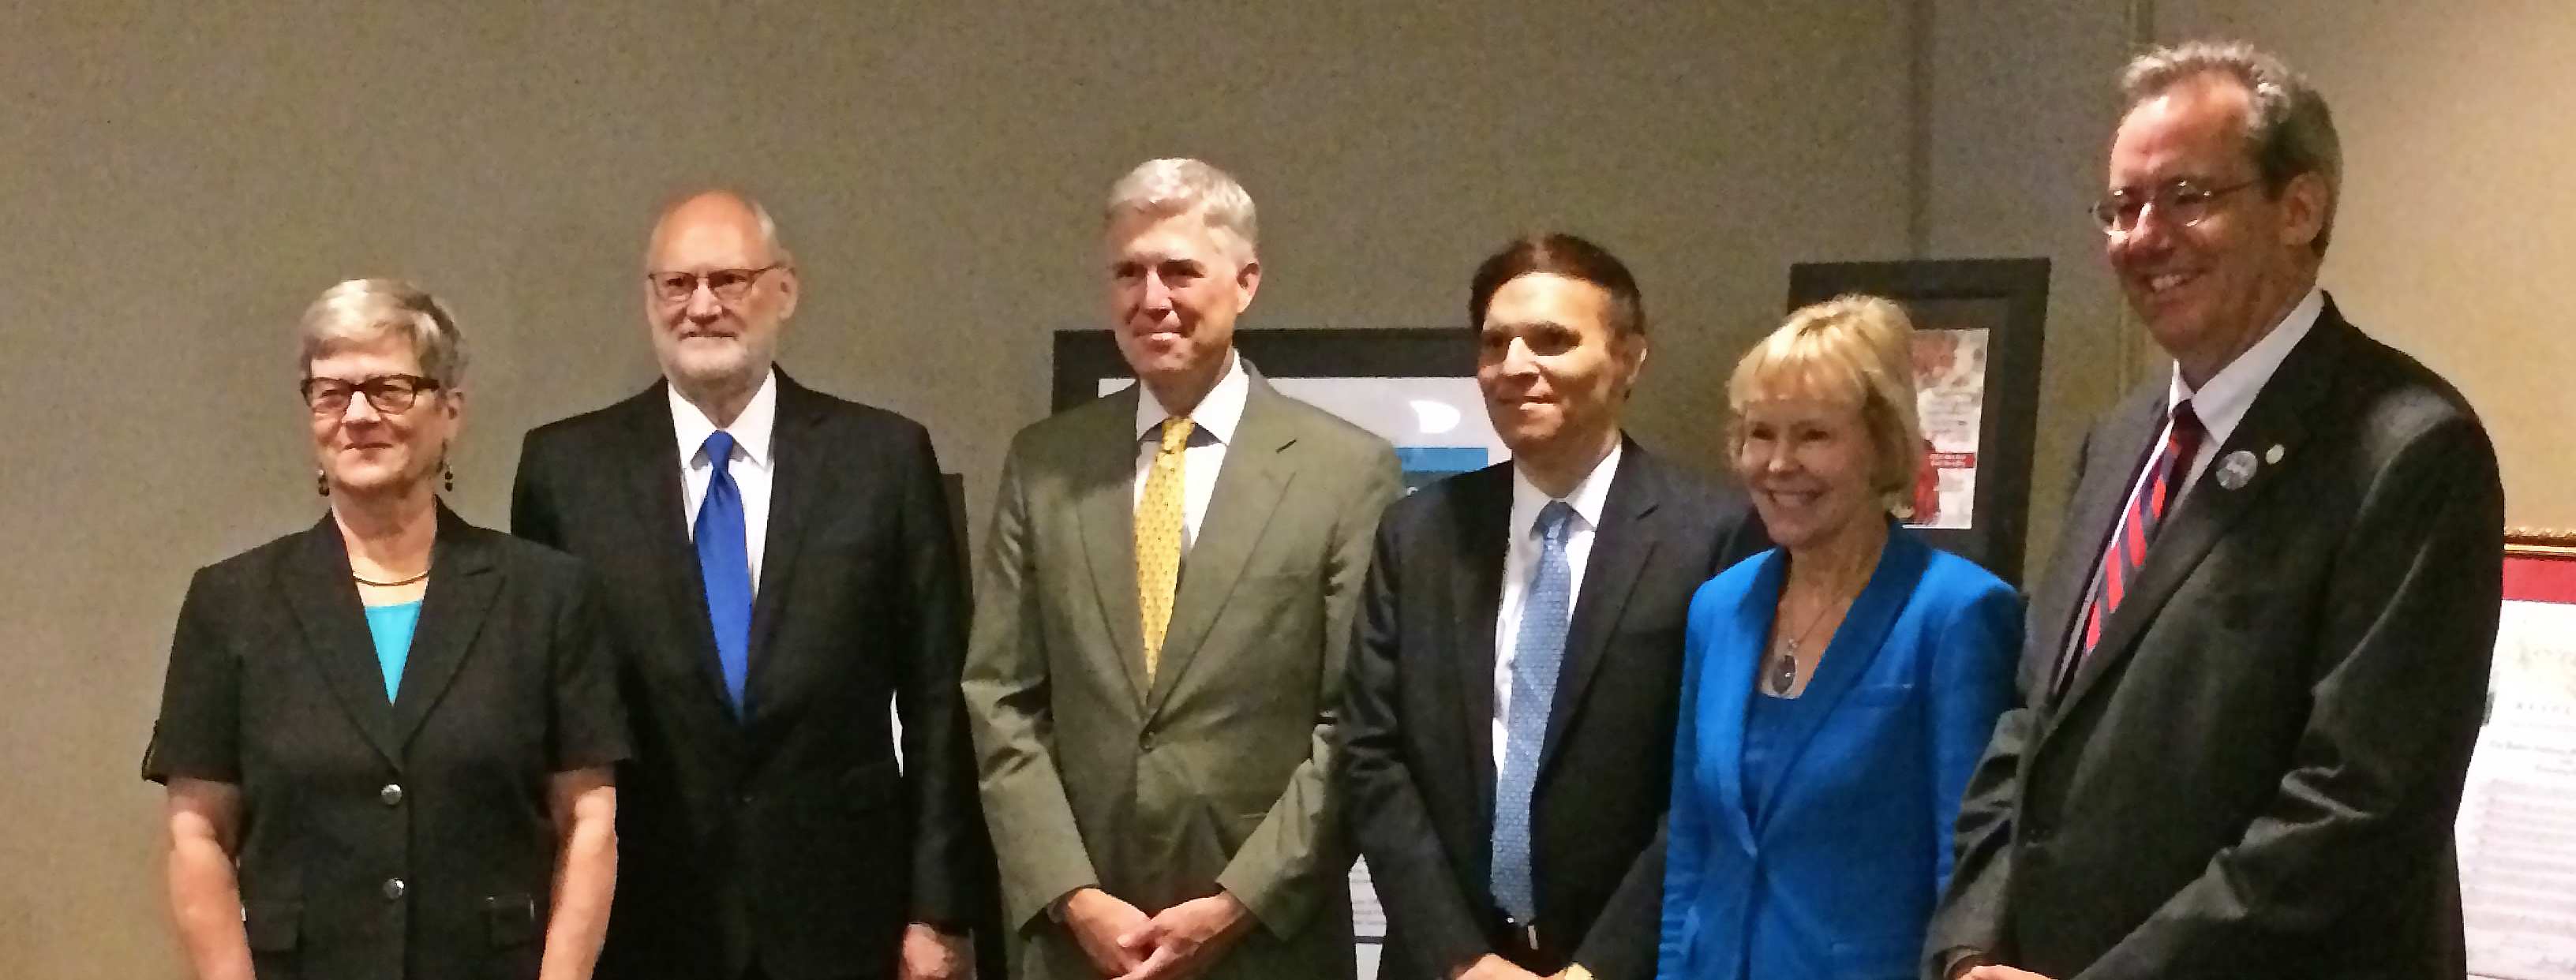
(1781, 674)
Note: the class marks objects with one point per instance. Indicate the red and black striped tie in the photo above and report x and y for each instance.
(2127, 551)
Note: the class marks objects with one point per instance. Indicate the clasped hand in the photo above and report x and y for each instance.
(1181, 942)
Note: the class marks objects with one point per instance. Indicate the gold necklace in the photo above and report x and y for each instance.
(363, 580)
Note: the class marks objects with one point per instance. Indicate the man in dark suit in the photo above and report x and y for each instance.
(782, 569)
(2255, 670)
(1516, 670)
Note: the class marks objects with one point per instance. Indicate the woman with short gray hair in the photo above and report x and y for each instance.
(388, 738)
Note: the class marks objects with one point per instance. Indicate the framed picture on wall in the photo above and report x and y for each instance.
(2517, 887)
(1978, 326)
(1412, 386)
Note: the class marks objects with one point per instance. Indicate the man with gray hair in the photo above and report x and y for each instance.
(784, 575)
(2255, 671)
(1167, 592)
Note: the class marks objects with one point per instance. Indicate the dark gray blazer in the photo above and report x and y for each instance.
(2255, 774)
(789, 835)
(1418, 763)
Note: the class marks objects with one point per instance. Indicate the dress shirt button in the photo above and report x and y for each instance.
(393, 889)
(391, 794)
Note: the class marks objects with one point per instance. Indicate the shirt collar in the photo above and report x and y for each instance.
(2223, 401)
(750, 430)
(1588, 499)
(1217, 414)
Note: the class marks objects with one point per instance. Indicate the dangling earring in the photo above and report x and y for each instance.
(447, 477)
(321, 482)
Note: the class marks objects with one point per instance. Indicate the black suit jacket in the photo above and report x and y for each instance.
(789, 836)
(409, 837)
(2256, 772)
(1418, 759)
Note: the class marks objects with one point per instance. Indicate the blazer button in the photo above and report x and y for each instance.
(391, 794)
(393, 889)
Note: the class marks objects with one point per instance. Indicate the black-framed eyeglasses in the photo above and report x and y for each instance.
(391, 394)
(2184, 202)
(729, 285)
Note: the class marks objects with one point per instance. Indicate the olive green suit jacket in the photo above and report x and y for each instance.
(1214, 774)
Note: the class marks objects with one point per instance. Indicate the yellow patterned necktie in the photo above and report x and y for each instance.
(1159, 517)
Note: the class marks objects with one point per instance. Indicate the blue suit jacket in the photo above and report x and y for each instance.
(1837, 876)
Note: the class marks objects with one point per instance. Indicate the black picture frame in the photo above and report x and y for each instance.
(2009, 299)
(1084, 357)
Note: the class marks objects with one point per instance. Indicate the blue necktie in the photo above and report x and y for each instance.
(1537, 655)
(724, 561)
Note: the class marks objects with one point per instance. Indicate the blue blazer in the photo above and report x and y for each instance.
(1837, 875)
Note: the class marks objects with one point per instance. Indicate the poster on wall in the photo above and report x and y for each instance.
(1950, 399)
(1438, 425)
(2517, 826)
(1979, 326)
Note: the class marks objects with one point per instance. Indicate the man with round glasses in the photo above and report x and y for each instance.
(2255, 670)
(782, 566)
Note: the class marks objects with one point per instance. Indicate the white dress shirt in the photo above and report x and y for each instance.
(2221, 405)
(754, 468)
(1520, 565)
(1215, 419)
(2222, 402)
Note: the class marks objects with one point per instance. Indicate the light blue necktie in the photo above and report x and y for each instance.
(724, 561)
(1537, 655)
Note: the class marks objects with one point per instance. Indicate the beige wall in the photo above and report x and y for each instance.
(2454, 241)
(177, 180)
(2020, 100)
(175, 183)
(2453, 229)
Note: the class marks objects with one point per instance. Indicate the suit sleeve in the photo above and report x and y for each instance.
(939, 767)
(2403, 657)
(1972, 684)
(532, 514)
(1686, 827)
(1970, 917)
(1415, 881)
(1624, 936)
(197, 736)
(1294, 858)
(1035, 842)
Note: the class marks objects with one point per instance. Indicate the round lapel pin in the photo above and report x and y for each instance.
(2236, 469)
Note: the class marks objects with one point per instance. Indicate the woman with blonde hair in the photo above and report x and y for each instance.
(1837, 688)
(388, 738)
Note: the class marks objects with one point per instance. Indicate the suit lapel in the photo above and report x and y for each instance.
(1108, 515)
(1857, 644)
(325, 602)
(794, 486)
(1480, 534)
(1728, 680)
(1248, 487)
(652, 466)
(1621, 546)
(2100, 497)
(463, 580)
(2210, 507)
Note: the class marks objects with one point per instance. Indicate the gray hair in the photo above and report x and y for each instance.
(2288, 129)
(1178, 185)
(361, 310)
